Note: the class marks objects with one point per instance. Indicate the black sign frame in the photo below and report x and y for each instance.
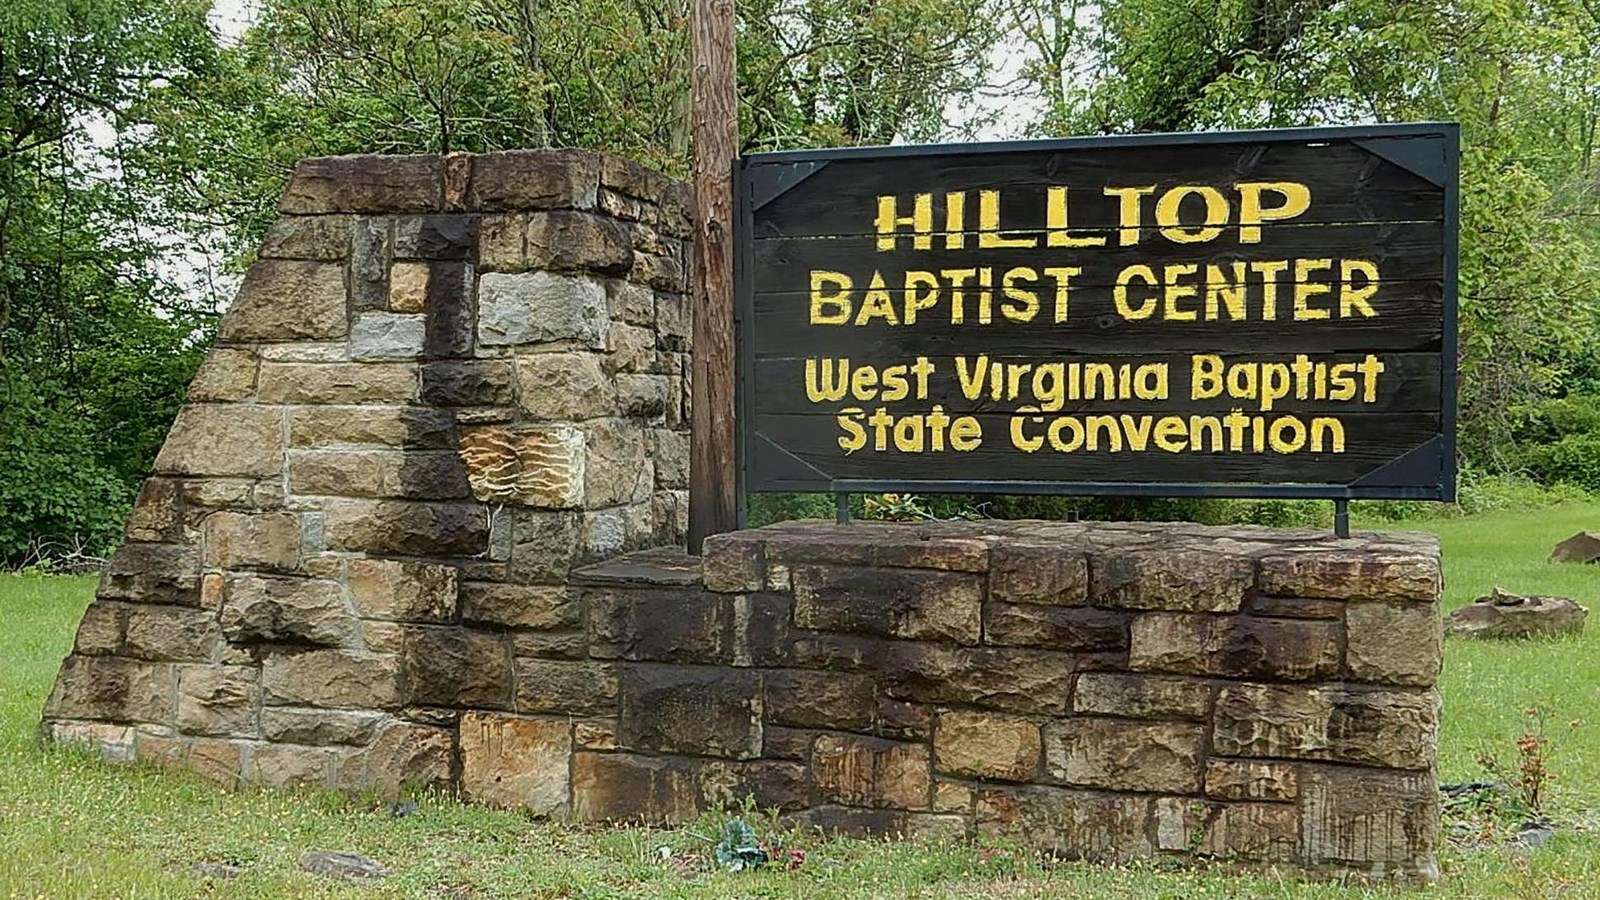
(1428, 472)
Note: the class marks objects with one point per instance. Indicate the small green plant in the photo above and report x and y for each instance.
(739, 848)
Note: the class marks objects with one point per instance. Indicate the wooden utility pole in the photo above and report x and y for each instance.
(714, 114)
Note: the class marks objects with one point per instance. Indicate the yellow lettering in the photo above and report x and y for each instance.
(1056, 221)
(830, 307)
(1129, 213)
(1296, 200)
(921, 221)
(1119, 294)
(1168, 206)
(989, 236)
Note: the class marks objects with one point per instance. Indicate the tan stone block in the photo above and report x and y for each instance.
(632, 348)
(1075, 824)
(1141, 696)
(595, 735)
(623, 787)
(617, 466)
(287, 725)
(1037, 572)
(1247, 779)
(404, 756)
(502, 243)
(408, 591)
(237, 540)
(115, 743)
(389, 426)
(290, 765)
(908, 603)
(267, 609)
(227, 376)
(160, 747)
(348, 383)
(111, 687)
(574, 688)
(171, 633)
(862, 771)
(1395, 729)
(516, 763)
(333, 678)
(986, 745)
(1259, 832)
(1385, 822)
(383, 637)
(408, 287)
(541, 467)
(520, 605)
(731, 563)
(100, 630)
(567, 240)
(287, 300)
(213, 591)
(1393, 644)
(307, 237)
(1197, 580)
(952, 797)
(1115, 754)
(217, 761)
(407, 528)
(1234, 646)
(1352, 575)
(218, 700)
(220, 440)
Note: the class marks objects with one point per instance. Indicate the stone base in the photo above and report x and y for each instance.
(1102, 691)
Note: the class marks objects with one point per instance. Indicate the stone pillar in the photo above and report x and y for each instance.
(445, 383)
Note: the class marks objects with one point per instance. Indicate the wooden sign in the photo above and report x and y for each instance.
(1265, 313)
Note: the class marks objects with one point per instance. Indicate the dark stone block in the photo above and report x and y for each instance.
(1032, 682)
(680, 626)
(808, 698)
(450, 312)
(1054, 627)
(534, 179)
(364, 184)
(668, 709)
(464, 383)
(907, 603)
(153, 573)
(435, 237)
(566, 688)
(456, 667)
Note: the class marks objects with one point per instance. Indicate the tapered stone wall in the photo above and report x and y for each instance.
(446, 383)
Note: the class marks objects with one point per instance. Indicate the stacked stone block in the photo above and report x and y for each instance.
(1110, 692)
(445, 383)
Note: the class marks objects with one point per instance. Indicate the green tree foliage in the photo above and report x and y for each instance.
(94, 349)
(1522, 77)
(316, 77)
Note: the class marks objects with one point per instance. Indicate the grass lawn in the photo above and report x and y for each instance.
(71, 826)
